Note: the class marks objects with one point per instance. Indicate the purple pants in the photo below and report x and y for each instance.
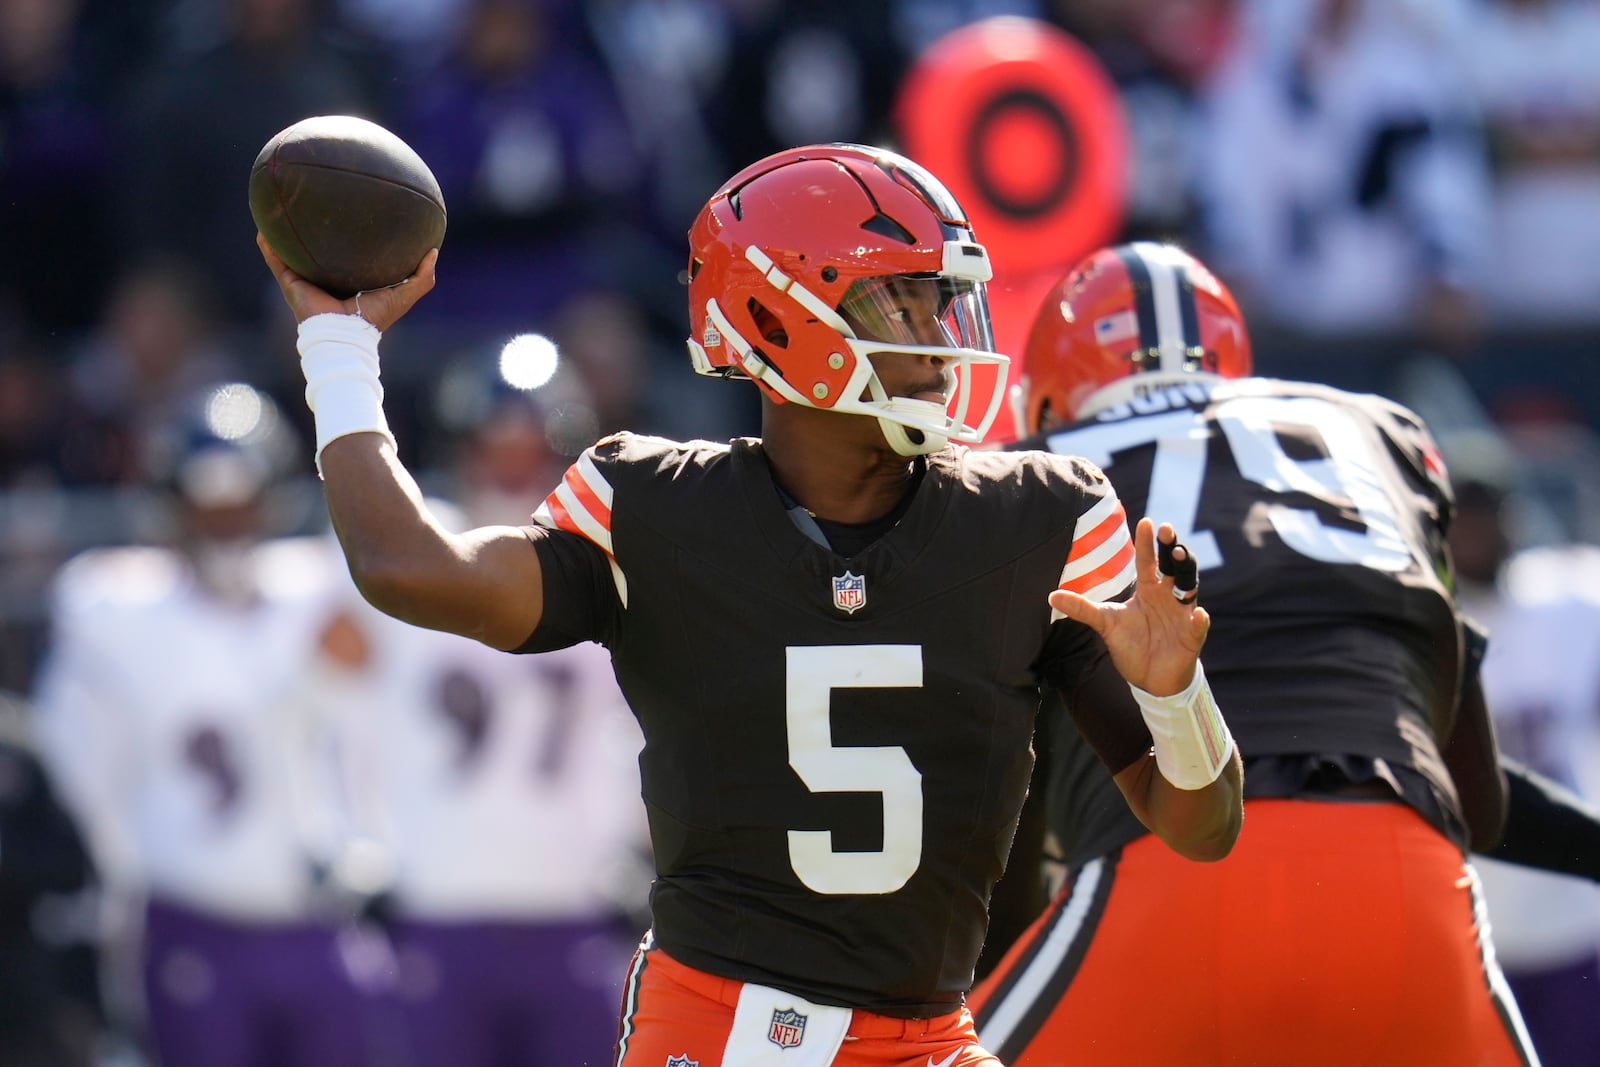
(226, 994)
(1562, 1010)
(487, 994)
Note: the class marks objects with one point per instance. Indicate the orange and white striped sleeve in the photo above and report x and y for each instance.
(1100, 563)
(581, 505)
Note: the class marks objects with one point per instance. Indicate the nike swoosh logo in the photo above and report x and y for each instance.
(944, 1062)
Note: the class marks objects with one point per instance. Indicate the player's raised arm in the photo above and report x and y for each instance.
(484, 583)
(1188, 789)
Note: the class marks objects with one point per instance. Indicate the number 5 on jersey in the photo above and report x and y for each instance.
(813, 673)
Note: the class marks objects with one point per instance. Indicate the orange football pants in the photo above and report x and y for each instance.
(675, 1014)
(1336, 934)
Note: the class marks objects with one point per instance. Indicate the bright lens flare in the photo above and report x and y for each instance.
(528, 361)
(235, 411)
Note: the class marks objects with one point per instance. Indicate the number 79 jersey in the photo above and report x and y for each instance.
(836, 749)
(1317, 518)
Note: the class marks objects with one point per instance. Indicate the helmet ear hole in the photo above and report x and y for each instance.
(770, 327)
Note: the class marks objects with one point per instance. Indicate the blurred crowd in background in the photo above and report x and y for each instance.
(1404, 194)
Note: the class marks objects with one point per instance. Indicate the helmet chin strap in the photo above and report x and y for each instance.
(913, 440)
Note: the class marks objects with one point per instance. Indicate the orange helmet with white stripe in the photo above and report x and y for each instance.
(805, 264)
(1126, 319)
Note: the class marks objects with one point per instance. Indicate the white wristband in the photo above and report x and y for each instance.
(339, 358)
(1192, 742)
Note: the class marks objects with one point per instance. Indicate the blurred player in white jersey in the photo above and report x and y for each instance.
(1542, 678)
(508, 795)
(179, 708)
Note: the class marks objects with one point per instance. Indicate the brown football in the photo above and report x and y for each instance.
(346, 203)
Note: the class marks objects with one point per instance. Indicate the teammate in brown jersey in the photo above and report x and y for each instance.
(1346, 927)
(833, 636)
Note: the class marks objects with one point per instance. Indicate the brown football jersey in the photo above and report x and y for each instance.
(1317, 518)
(836, 748)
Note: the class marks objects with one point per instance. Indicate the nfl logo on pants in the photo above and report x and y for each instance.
(788, 1027)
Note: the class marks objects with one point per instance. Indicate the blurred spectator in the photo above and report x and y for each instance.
(1542, 680)
(511, 419)
(157, 346)
(1533, 71)
(1532, 400)
(415, 32)
(711, 85)
(1343, 175)
(49, 1004)
(31, 389)
(636, 379)
(507, 445)
(1559, 452)
(667, 58)
(180, 712)
(32, 541)
(238, 72)
(542, 179)
(1157, 52)
(75, 418)
(919, 23)
(56, 180)
(806, 74)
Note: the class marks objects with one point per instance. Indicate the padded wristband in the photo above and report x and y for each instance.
(1192, 741)
(339, 358)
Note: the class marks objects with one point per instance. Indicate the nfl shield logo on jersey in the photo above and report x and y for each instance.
(682, 1061)
(849, 592)
(788, 1027)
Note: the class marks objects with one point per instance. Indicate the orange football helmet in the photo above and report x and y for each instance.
(806, 263)
(1126, 319)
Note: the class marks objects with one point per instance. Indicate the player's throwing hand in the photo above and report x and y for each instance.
(381, 307)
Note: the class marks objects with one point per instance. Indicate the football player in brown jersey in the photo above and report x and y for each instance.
(1346, 927)
(834, 636)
